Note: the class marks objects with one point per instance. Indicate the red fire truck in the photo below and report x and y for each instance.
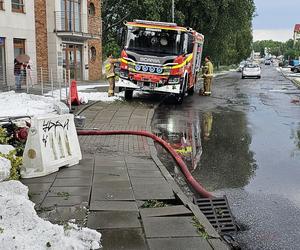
(160, 57)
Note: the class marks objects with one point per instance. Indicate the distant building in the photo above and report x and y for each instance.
(297, 33)
(17, 36)
(68, 36)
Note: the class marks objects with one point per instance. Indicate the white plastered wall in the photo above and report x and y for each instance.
(18, 25)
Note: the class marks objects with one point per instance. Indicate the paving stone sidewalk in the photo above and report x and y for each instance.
(121, 189)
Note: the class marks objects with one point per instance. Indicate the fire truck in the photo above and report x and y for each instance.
(159, 57)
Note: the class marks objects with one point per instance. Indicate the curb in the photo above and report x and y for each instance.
(295, 82)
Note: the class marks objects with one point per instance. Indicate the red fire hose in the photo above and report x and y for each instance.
(196, 186)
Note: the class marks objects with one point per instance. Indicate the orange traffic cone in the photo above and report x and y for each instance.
(74, 94)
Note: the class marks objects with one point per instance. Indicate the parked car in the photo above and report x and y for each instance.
(294, 62)
(241, 66)
(251, 70)
(296, 69)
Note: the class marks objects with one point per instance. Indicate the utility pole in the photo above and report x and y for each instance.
(173, 11)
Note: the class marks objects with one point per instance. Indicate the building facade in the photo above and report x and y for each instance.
(68, 36)
(17, 36)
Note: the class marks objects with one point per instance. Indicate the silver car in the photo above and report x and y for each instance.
(251, 70)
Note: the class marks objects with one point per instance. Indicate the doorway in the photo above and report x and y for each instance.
(72, 58)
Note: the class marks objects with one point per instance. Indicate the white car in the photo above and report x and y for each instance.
(251, 70)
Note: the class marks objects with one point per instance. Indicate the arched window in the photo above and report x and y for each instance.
(93, 53)
(92, 9)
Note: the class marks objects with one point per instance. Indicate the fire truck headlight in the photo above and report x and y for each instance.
(145, 68)
(159, 70)
(138, 67)
(174, 80)
(152, 69)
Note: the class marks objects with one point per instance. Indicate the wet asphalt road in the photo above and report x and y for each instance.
(244, 142)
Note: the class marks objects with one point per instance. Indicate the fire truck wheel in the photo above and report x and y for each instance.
(128, 94)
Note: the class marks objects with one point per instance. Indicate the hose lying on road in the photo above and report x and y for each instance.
(190, 179)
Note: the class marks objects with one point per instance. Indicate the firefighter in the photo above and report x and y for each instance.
(109, 65)
(208, 72)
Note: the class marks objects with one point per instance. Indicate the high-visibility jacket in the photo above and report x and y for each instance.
(208, 70)
(109, 65)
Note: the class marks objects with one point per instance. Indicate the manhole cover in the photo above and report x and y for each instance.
(218, 213)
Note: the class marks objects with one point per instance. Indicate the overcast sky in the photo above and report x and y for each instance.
(275, 19)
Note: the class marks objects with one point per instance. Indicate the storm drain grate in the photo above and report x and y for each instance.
(218, 213)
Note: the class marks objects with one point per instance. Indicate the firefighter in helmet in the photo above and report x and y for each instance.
(208, 71)
(109, 65)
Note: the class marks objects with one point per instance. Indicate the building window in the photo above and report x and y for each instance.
(1, 4)
(17, 6)
(93, 53)
(92, 10)
(70, 15)
(19, 47)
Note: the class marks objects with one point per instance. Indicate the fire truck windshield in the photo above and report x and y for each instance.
(155, 41)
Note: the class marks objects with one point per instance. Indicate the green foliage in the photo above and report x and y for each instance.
(6, 139)
(226, 24)
(1, 230)
(65, 195)
(16, 163)
(111, 47)
(48, 244)
(288, 49)
(13, 156)
(200, 228)
(3, 136)
(67, 227)
(153, 204)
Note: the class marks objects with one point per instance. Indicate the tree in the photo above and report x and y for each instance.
(289, 49)
(226, 24)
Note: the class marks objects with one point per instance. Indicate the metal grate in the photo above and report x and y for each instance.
(218, 213)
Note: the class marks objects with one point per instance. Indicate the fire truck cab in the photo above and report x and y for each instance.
(160, 57)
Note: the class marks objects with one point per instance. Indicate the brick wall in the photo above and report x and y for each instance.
(41, 33)
(95, 27)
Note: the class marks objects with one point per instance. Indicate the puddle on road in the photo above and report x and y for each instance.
(233, 149)
(249, 150)
(215, 145)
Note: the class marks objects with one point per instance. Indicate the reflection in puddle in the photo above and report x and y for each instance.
(215, 145)
(184, 136)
